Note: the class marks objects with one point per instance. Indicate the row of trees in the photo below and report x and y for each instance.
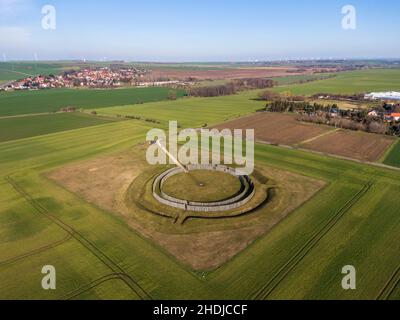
(283, 105)
(332, 115)
(302, 81)
(253, 83)
(232, 87)
(354, 97)
(269, 95)
(213, 91)
(368, 125)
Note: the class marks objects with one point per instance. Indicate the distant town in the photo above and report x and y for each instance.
(105, 77)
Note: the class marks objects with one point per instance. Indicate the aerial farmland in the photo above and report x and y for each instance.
(159, 180)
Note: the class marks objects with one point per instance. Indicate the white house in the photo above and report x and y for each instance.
(396, 116)
(373, 113)
(392, 95)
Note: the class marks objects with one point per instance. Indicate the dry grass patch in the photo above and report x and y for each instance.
(201, 244)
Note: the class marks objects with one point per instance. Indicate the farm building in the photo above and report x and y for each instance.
(392, 95)
(393, 117)
(373, 113)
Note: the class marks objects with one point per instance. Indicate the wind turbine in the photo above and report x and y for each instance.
(36, 60)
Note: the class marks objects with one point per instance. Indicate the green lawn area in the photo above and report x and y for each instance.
(29, 126)
(192, 112)
(350, 82)
(393, 157)
(29, 102)
(202, 186)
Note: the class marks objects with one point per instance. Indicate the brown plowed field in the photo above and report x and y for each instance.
(284, 129)
(234, 73)
(357, 145)
(277, 128)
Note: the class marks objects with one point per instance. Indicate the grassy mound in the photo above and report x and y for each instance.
(202, 186)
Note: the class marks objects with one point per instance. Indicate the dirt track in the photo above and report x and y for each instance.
(277, 128)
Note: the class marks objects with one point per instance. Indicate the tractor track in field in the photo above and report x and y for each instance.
(390, 286)
(36, 251)
(280, 275)
(92, 285)
(107, 261)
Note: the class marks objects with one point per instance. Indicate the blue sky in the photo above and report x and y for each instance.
(203, 30)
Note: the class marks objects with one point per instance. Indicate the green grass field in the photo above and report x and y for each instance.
(297, 78)
(30, 102)
(30, 126)
(7, 75)
(354, 220)
(350, 82)
(20, 70)
(192, 112)
(393, 157)
(281, 81)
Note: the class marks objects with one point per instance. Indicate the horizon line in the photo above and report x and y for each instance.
(204, 61)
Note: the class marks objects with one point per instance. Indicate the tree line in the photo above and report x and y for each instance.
(232, 87)
(332, 115)
(353, 97)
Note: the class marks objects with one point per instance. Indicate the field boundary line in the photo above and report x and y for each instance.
(107, 261)
(18, 72)
(92, 285)
(53, 134)
(390, 285)
(388, 151)
(28, 115)
(49, 113)
(300, 254)
(317, 137)
(335, 156)
(36, 251)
